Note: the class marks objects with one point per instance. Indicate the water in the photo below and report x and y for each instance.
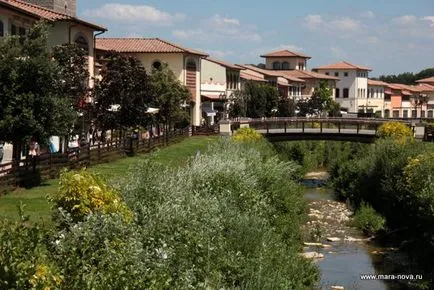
(344, 262)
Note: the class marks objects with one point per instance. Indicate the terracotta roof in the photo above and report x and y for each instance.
(427, 80)
(250, 77)
(377, 83)
(304, 74)
(285, 53)
(39, 12)
(143, 45)
(273, 73)
(426, 87)
(225, 64)
(343, 65)
(408, 88)
(394, 87)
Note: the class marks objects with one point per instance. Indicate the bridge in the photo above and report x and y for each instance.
(362, 130)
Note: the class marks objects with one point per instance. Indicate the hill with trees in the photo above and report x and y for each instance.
(407, 78)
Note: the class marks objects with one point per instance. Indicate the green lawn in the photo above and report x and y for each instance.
(38, 207)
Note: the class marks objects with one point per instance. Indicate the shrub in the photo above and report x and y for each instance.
(395, 130)
(368, 220)
(81, 193)
(247, 135)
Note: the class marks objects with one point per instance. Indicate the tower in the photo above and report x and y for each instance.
(63, 6)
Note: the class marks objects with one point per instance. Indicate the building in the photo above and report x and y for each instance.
(375, 102)
(152, 52)
(17, 17)
(219, 81)
(352, 89)
(285, 60)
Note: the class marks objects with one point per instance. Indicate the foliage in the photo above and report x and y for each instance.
(247, 135)
(168, 95)
(125, 84)
(368, 220)
(24, 261)
(319, 103)
(81, 193)
(395, 130)
(255, 101)
(286, 107)
(408, 78)
(31, 104)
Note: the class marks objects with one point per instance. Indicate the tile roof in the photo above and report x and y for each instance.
(250, 77)
(304, 74)
(143, 45)
(223, 63)
(39, 12)
(408, 88)
(377, 83)
(426, 87)
(427, 80)
(285, 53)
(273, 73)
(343, 65)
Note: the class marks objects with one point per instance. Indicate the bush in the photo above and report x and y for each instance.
(247, 135)
(368, 220)
(82, 193)
(395, 130)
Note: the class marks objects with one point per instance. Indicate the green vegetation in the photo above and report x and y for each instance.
(368, 220)
(321, 103)
(37, 206)
(247, 135)
(408, 78)
(396, 130)
(229, 219)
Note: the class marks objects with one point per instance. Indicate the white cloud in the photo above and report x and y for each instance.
(126, 13)
(219, 54)
(368, 14)
(338, 53)
(313, 22)
(342, 24)
(372, 40)
(218, 27)
(289, 47)
(405, 20)
(429, 19)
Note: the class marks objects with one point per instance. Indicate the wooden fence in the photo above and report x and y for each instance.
(32, 171)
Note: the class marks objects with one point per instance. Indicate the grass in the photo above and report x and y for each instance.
(38, 208)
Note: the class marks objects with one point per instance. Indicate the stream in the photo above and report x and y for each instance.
(350, 254)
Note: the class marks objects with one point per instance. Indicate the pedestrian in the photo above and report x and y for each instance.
(34, 151)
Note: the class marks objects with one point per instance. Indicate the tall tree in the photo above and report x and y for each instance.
(122, 96)
(168, 95)
(30, 104)
(319, 103)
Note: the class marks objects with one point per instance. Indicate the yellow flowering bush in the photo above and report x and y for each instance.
(44, 278)
(397, 130)
(82, 193)
(247, 135)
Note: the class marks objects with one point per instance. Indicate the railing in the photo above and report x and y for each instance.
(206, 130)
(48, 165)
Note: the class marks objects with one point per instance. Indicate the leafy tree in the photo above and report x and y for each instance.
(408, 78)
(168, 95)
(255, 101)
(321, 102)
(30, 103)
(122, 97)
(286, 108)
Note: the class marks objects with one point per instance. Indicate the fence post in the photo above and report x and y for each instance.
(302, 126)
(339, 127)
(284, 124)
(320, 126)
(99, 152)
(358, 127)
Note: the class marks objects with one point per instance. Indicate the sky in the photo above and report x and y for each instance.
(389, 36)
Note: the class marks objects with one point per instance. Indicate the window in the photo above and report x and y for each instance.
(413, 113)
(22, 31)
(346, 93)
(430, 115)
(276, 65)
(336, 74)
(327, 73)
(156, 64)
(422, 114)
(1, 29)
(345, 74)
(386, 113)
(395, 114)
(338, 93)
(285, 65)
(301, 66)
(405, 113)
(14, 29)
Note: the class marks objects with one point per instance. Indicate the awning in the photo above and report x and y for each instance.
(211, 97)
(209, 112)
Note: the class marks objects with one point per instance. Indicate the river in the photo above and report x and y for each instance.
(342, 261)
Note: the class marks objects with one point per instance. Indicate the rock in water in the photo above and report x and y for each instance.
(333, 239)
(312, 255)
(338, 288)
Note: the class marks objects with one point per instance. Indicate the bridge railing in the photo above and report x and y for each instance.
(306, 124)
